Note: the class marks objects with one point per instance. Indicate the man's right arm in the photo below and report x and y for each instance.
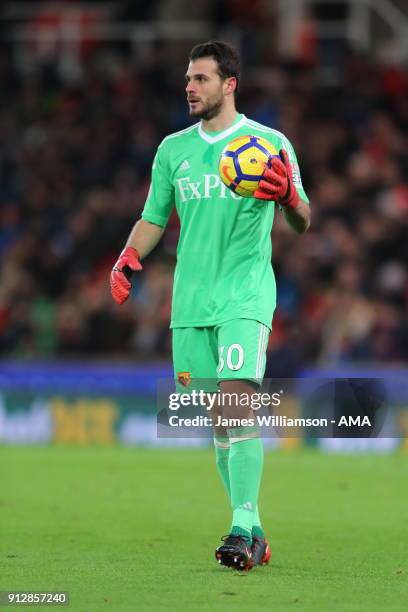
(142, 239)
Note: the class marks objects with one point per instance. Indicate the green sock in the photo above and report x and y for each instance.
(257, 530)
(222, 450)
(245, 470)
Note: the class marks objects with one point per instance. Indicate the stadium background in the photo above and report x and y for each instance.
(89, 93)
(88, 503)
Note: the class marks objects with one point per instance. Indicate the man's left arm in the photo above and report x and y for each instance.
(278, 185)
(298, 218)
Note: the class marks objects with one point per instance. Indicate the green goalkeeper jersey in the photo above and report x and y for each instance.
(224, 268)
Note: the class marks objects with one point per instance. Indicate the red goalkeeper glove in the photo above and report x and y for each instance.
(128, 262)
(277, 183)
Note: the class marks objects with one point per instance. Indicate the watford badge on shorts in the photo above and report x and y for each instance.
(184, 378)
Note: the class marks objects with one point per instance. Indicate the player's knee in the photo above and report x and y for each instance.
(236, 399)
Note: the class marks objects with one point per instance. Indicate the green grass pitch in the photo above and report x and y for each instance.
(135, 529)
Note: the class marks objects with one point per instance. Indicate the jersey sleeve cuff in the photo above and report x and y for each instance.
(302, 194)
(155, 219)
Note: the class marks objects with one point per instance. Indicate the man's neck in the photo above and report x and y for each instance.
(221, 122)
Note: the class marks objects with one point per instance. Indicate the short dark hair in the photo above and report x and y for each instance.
(226, 56)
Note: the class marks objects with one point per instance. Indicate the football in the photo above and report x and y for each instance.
(242, 163)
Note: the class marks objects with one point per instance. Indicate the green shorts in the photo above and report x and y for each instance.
(235, 350)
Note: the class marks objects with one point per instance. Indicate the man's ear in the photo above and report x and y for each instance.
(230, 85)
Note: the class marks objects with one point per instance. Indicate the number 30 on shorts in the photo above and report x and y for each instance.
(232, 356)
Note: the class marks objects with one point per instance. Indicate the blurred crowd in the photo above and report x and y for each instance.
(75, 163)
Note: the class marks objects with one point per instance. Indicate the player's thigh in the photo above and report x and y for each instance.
(195, 357)
(242, 345)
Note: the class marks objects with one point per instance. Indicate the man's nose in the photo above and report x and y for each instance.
(190, 87)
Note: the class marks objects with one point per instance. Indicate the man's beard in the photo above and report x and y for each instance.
(209, 111)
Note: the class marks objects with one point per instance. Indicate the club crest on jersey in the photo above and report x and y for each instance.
(184, 378)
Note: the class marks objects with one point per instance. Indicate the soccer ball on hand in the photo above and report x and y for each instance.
(242, 163)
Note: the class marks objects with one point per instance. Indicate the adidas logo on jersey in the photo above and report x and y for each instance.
(184, 165)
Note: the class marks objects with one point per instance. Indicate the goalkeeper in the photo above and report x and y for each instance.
(224, 291)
